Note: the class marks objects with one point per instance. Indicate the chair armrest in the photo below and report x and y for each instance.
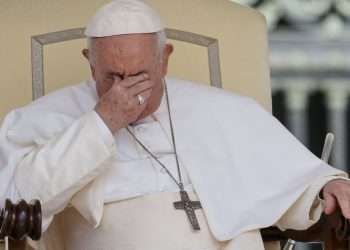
(329, 226)
(17, 221)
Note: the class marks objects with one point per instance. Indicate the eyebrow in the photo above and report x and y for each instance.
(114, 73)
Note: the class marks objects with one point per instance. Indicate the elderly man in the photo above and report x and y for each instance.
(136, 160)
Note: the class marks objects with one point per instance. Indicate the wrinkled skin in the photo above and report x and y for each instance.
(124, 67)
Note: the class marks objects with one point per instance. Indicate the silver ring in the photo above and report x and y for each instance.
(141, 99)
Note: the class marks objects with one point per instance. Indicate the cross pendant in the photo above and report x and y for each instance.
(189, 207)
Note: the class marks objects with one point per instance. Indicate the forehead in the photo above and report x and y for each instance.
(131, 47)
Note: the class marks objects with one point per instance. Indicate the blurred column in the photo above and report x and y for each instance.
(337, 98)
(276, 86)
(297, 102)
(297, 92)
(272, 11)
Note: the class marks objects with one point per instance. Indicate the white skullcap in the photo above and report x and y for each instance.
(124, 17)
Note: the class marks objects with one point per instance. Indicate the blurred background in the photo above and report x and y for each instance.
(309, 56)
(310, 67)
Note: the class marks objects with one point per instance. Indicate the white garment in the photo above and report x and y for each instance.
(134, 172)
(232, 149)
(150, 222)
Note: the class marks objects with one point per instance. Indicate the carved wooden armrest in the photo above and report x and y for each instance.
(20, 220)
(331, 229)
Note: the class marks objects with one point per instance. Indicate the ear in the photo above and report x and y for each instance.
(86, 54)
(168, 50)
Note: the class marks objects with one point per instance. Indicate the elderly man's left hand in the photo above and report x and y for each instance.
(337, 193)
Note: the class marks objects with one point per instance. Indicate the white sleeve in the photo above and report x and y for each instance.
(308, 209)
(54, 172)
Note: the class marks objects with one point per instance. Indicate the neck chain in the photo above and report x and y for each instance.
(180, 182)
(185, 203)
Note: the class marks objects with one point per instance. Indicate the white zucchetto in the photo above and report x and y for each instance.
(124, 17)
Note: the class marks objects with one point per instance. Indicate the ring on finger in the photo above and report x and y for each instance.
(141, 99)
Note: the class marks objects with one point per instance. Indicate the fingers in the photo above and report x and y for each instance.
(140, 87)
(121, 106)
(146, 94)
(132, 80)
(133, 101)
(339, 189)
(135, 104)
(330, 203)
(345, 207)
(133, 85)
(343, 200)
(129, 89)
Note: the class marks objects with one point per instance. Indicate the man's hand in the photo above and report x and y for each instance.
(337, 193)
(120, 106)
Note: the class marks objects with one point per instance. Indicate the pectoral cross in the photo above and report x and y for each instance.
(189, 207)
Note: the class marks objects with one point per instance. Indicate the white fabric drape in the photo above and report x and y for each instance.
(245, 167)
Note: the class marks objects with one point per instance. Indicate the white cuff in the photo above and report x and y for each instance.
(107, 135)
(65, 165)
(308, 208)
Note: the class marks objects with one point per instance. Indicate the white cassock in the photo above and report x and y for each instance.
(247, 170)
